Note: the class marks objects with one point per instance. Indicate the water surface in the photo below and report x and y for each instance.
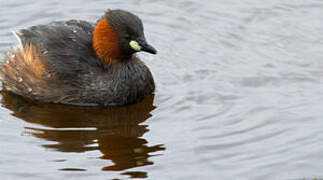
(239, 96)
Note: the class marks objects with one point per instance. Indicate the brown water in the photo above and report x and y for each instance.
(239, 96)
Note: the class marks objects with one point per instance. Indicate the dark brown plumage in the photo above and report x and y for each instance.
(75, 62)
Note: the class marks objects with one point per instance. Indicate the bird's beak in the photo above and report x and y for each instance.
(146, 47)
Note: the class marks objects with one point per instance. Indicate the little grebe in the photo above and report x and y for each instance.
(75, 62)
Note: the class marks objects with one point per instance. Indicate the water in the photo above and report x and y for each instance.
(239, 96)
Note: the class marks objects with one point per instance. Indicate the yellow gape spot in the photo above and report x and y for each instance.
(135, 45)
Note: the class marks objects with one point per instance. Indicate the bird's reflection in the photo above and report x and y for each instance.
(116, 132)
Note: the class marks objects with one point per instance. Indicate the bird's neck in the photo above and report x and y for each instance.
(106, 43)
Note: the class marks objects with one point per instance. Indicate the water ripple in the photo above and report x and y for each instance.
(239, 96)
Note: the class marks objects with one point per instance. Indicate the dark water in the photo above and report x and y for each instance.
(239, 96)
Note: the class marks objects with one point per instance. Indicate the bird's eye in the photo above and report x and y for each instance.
(127, 37)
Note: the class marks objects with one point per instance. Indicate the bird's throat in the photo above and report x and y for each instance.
(106, 42)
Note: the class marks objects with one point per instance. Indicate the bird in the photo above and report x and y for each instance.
(80, 63)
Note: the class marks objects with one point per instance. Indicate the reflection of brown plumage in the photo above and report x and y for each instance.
(116, 132)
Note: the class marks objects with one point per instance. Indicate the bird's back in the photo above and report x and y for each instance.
(48, 59)
(66, 46)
